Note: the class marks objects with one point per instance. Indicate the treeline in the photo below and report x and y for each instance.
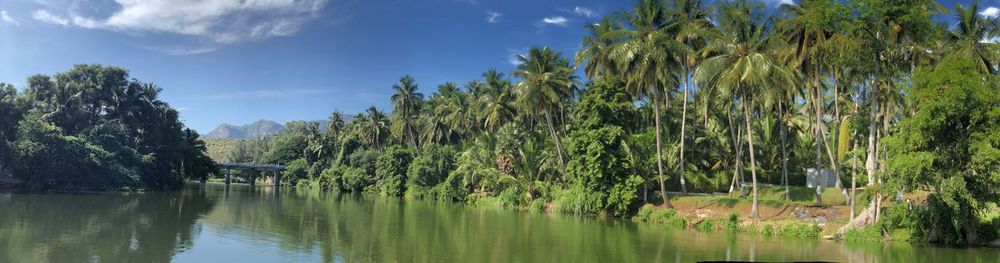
(95, 128)
(684, 97)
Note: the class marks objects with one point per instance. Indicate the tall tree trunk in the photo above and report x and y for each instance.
(818, 168)
(659, 153)
(836, 115)
(784, 150)
(753, 165)
(854, 185)
(683, 122)
(734, 131)
(555, 137)
(872, 145)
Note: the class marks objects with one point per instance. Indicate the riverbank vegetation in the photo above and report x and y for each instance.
(95, 128)
(678, 97)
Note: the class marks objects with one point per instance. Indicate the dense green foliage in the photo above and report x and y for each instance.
(680, 96)
(951, 147)
(95, 128)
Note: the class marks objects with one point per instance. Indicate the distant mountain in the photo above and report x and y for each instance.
(257, 129)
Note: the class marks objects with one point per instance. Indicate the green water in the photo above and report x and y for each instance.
(241, 224)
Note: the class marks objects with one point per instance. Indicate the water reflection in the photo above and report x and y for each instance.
(150, 227)
(264, 224)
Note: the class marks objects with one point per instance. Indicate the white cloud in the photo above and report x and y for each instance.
(493, 17)
(219, 21)
(583, 11)
(556, 20)
(990, 12)
(512, 56)
(779, 2)
(6, 18)
(182, 51)
(275, 93)
(46, 17)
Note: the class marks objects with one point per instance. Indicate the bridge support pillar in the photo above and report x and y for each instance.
(277, 178)
(229, 176)
(253, 178)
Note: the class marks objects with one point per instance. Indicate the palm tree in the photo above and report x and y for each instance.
(406, 105)
(335, 124)
(596, 47)
(742, 64)
(973, 37)
(497, 103)
(690, 23)
(809, 27)
(644, 59)
(546, 81)
(373, 130)
(446, 117)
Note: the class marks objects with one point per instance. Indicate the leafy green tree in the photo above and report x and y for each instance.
(951, 146)
(390, 171)
(295, 171)
(429, 168)
(10, 114)
(115, 129)
(599, 159)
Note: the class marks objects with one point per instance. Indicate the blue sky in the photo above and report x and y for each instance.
(237, 61)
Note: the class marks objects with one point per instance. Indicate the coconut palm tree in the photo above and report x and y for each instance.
(742, 63)
(335, 124)
(974, 37)
(809, 26)
(497, 102)
(644, 59)
(596, 47)
(690, 24)
(374, 130)
(546, 81)
(405, 109)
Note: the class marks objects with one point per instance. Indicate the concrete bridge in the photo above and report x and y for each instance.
(253, 168)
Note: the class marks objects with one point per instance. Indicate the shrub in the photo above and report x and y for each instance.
(390, 171)
(429, 169)
(576, 200)
(294, 171)
(732, 222)
(708, 225)
(652, 214)
(355, 179)
(451, 189)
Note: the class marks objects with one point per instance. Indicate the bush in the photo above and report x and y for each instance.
(652, 214)
(355, 179)
(708, 225)
(451, 189)
(576, 200)
(390, 171)
(732, 223)
(295, 171)
(429, 169)
(364, 159)
(331, 178)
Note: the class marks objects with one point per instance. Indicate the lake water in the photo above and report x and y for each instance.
(243, 224)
